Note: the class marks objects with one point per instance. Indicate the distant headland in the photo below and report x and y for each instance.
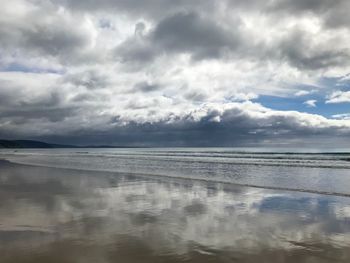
(18, 144)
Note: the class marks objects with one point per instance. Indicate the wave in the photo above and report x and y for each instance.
(205, 180)
(324, 160)
(314, 173)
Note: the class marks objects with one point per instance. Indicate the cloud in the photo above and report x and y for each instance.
(184, 32)
(343, 116)
(21, 104)
(202, 38)
(230, 124)
(178, 72)
(300, 51)
(151, 9)
(331, 13)
(90, 79)
(310, 103)
(46, 30)
(339, 97)
(189, 32)
(146, 87)
(302, 93)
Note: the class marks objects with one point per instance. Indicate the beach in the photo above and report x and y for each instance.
(67, 215)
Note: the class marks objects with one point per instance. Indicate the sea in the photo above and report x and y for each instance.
(309, 170)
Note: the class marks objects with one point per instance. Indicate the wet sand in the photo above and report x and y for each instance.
(61, 215)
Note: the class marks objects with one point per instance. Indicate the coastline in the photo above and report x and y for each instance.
(160, 177)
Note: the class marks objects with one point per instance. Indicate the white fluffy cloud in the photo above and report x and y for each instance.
(339, 97)
(310, 103)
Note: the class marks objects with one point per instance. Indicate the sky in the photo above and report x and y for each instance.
(176, 72)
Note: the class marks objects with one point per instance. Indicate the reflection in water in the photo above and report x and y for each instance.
(57, 215)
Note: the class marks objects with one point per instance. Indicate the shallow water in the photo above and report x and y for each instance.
(307, 172)
(62, 215)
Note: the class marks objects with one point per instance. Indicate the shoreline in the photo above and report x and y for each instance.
(189, 179)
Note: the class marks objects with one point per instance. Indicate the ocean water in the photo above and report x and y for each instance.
(315, 172)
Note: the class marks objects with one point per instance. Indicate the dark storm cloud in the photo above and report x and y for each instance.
(317, 6)
(27, 114)
(136, 50)
(235, 128)
(333, 13)
(20, 107)
(297, 50)
(195, 96)
(50, 39)
(41, 30)
(53, 41)
(151, 8)
(146, 87)
(203, 38)
(192, 33)
(184, 32)
(189, 32)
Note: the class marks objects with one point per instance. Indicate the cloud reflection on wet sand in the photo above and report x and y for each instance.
(57, 215)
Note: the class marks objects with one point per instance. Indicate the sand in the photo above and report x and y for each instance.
(61, 215)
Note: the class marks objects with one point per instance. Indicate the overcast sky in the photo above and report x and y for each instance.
(176, 72)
